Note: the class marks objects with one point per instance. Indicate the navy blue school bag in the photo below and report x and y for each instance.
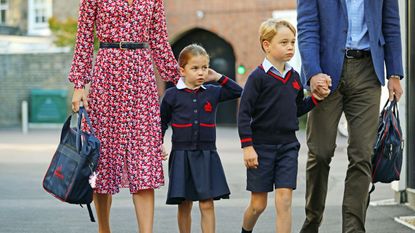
(75, 159)
(388, 148)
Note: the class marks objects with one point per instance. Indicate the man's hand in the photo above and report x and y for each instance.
(395, 88)
(78, 96)
(319, 85)
(213, 76)
(250, 157)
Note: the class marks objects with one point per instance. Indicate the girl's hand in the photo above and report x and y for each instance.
(250, 157)
(213, 76)
(79, 95)
(164, 153)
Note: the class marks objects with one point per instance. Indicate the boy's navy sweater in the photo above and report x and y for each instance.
(192, 113)
(270, 107)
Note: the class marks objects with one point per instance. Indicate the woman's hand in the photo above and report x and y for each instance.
(79, 95)
(250, 157)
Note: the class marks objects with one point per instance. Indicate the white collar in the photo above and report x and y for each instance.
(181, 85)
(268, 65)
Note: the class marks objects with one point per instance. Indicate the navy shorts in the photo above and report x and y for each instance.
(277, 168)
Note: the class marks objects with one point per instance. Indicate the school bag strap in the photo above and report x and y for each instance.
(74, 161)
(388, 146)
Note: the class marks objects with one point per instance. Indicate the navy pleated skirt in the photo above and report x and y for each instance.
(196, 175)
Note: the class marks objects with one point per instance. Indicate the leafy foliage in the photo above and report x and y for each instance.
(64, 32)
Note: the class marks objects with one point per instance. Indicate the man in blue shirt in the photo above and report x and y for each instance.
(346, 43)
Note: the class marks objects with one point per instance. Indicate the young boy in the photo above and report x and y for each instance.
(271, 103)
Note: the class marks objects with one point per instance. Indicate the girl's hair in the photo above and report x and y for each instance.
(189, 52)
(269, 28)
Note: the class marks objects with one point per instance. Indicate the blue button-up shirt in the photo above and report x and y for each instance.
(357, 33)
(267, 65)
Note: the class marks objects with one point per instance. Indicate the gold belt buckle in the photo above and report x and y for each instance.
(121, 44)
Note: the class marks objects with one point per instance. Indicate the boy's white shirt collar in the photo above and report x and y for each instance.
(268, 65)
(181, 85)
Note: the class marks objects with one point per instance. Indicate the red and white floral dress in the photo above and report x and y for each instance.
(123, 94)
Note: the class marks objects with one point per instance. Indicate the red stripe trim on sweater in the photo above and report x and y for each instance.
(224, 81)
(181, 125)
(246, 140)
(315, 101)
(283, 80)
(208, 125)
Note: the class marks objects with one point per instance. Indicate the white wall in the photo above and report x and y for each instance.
(401, 184)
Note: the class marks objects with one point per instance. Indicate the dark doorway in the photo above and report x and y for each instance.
(222, 59)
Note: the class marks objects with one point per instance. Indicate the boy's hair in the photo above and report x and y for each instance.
(269, 28)
(191, 51)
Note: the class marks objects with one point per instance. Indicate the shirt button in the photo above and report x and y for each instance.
(195, 132)
(196, 122)
(194, 100)
(195, 111)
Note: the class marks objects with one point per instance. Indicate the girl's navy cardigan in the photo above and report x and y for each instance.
(192, 113)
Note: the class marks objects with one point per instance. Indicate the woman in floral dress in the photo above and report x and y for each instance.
(123, 100)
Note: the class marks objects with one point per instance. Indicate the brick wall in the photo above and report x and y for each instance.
(237, 22)
(19, 73)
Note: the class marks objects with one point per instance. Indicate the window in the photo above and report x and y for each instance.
(40, 8)
(39, 13)
(4, 6)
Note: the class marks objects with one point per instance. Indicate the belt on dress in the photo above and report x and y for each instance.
(357, 54)
(123, 45)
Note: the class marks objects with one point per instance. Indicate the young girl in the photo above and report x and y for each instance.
(273, 98)
(195, 170)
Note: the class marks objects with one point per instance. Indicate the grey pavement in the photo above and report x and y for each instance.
(26, 207)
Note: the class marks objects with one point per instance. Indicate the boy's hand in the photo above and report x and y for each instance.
(164, 153)
(319, 98)
(213, 76)
(250, 157)
(319, 85)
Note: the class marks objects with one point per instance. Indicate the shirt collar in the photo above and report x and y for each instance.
(268, 66)
(181, 85)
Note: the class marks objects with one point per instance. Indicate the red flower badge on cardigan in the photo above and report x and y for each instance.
(296, 85)
(208, 107)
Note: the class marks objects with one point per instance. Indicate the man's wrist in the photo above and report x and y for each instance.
(395, 77)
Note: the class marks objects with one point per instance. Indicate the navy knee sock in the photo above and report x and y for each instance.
(245, 231)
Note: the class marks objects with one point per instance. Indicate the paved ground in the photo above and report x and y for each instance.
(26, 207)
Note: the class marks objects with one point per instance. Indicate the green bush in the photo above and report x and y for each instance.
(64, 32)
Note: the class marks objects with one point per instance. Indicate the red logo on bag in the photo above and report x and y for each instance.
(58, 173)
(208, 107)
(296, 85)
